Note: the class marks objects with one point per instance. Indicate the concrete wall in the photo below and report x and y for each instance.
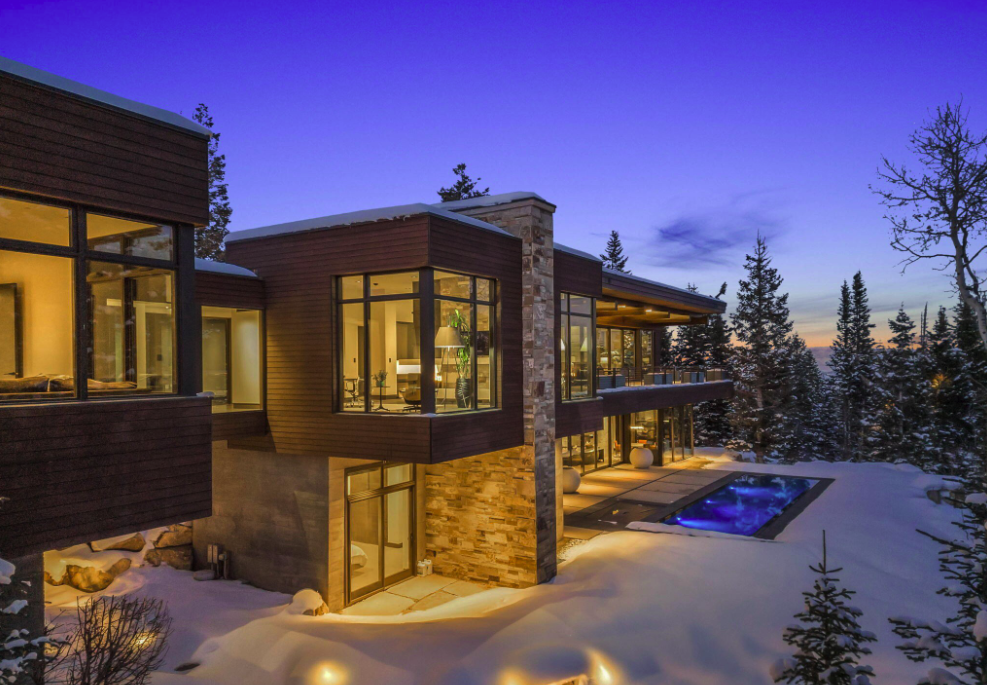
(271, 511)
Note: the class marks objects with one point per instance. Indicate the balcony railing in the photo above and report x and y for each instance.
(626, 377)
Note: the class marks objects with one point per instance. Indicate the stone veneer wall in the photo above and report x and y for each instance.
(494, 517)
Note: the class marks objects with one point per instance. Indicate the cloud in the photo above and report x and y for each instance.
(715, 237)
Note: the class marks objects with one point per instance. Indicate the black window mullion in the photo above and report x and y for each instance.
(83, 319)
(367, 392)
(426, 345)
(474, 366)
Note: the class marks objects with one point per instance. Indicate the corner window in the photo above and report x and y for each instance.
(133, 329)
(576, 346)
(385, 343)
(131, 238)
(380, 335)
(464, 343)
(37, 327)
(232, 353)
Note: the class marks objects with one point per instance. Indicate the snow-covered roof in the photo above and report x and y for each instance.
(223, 268)
(100, 97)
(579, 253)
(491, 200)
(364, 216)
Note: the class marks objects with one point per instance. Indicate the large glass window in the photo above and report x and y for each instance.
(232, 348)
(576, 346)
(382, 336)
(133, 329)
(464, 343)
(380, 350)
(37, 326)
(131, 238)
(127, 281)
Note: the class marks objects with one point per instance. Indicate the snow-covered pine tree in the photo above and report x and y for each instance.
(960, 643)
(949, 397)
(691, 346)
(853, 360)
(464, 188)
(829, 641)
(806, 432)
(712, 419)
(973, 375)
(762, 379)
(664, 346)
(613, 257)
(903, 390)
(210, 241)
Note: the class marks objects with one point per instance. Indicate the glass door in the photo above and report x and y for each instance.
(380, 525)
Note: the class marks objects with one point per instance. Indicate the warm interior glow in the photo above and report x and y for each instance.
(232, 341)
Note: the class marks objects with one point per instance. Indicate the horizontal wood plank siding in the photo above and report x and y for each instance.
(81, 471)
(238, 424)
(583, 416)
(484, 253)
(645, 398)
(59, 146)
(299, 270)
(575, 274)
(222, 290)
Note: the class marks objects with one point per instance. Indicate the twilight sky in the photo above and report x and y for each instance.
(686, 126)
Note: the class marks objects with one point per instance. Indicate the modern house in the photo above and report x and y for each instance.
(346, 396)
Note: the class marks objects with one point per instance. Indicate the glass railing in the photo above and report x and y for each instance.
(627, 377)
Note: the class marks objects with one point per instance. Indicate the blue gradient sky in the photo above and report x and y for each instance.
(686, 126)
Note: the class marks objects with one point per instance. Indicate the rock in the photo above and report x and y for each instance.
(123, 543)
(177, 535)
(307, 603)
(204, 574)
(177, 557)
(89, 578)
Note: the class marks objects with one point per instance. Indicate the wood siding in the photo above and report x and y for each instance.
(59, 146)
(223, 290)
(299, 271)
(645, 398)
(81, 471)
(574, 274)
(238, 424)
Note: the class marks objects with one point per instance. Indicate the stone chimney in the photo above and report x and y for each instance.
(529, 217)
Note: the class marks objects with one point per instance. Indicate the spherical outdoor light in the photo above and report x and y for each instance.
(642, 458)
(570, 480)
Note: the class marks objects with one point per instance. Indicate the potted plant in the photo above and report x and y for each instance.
(464, 359)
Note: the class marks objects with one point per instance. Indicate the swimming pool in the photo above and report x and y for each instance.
(743, 506)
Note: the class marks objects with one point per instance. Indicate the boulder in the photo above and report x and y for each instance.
(177, 557)
(307, 603)
(123, 543)
(176, 535)
(89, 578)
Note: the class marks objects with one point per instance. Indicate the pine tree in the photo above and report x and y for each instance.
(692, 344)
(829, 640)
(464, 188)
(806, 432)
(961, 643)
(210, 241)
(903, 392)
(613, 257)
(761, 370)
(853, 369)
(709, 347)
(952, 431)
(973, 376)
(664, 346)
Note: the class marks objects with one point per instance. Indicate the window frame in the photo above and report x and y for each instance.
(262, 342)
(427, 298)
(565, 333)
(78, 251)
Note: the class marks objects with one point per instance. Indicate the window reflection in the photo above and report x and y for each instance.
(576, 326)
(34, 222)
(131, 238)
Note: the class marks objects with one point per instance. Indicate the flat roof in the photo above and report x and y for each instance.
(659, 290)
(364, 216)
(573, 251)
(223, 268)
(100, 97)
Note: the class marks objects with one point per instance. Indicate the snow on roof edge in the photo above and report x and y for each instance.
(223, 268)
(491, 200)
(362, 216)
(101, 97)
(573, 251)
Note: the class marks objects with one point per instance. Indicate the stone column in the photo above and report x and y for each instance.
(530, 219)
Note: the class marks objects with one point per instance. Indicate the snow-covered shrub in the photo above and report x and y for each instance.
(829, 641)
(960, 643)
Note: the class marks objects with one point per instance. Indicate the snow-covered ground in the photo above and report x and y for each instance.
(628, 607)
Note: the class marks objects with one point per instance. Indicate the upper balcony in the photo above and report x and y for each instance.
(100, 429)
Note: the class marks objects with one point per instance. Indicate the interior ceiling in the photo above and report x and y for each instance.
(637, 315)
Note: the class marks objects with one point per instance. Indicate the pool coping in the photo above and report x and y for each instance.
(771, 529)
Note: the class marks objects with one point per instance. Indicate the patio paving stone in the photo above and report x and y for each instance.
(418, 587)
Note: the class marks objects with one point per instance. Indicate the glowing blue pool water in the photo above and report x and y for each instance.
(744, 505)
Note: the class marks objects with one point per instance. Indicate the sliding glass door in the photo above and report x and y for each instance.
(380, 525)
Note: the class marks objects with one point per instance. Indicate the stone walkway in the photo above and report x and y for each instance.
(611, 498)
(414, 594)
